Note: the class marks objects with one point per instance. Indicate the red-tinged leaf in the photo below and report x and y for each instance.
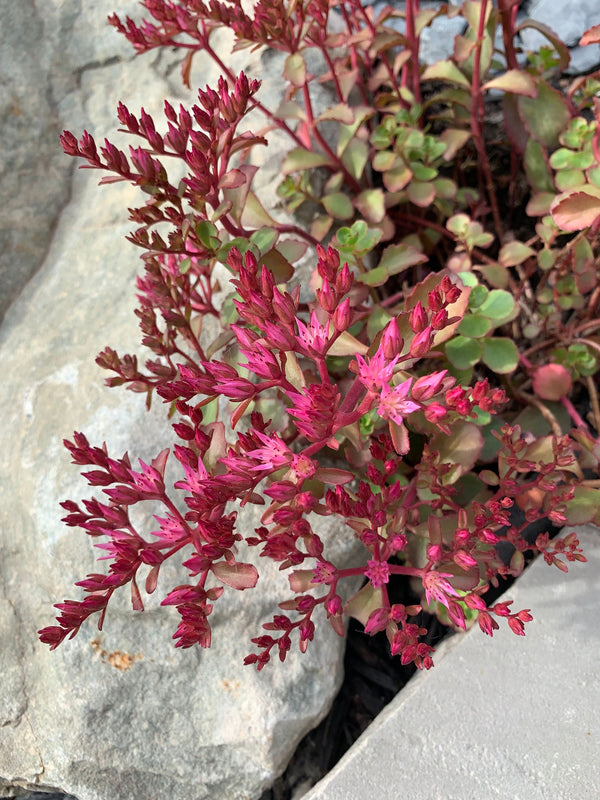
(245, 142)
(280, 267)
(254, 215)
(340, 113)
(558, 44)
(292, 249)
(355, 157)
(347, 345)
(397, 178)
(421, 193)
(152, 579)
(514, 253)
(462, 449)
(398, 257)
(240, 411)
(301, 580)
(294, 69)
(384, 41)
(347, 82)
(385, 160)
(238, 196)
(454, 139)
(463, 48)
(159, 463)
(591, 36)
(337, 477)
(238, 576)
(346, 132)
(371, 204)
(584, 506)
(300, 159)
(400, 438)
(232, 179)
(338, 205)
(513, 81)
(364, 603)
(544, 116)
(424, 18)
(136, 597)
(290, 110)
(445, 71)
(186, 68)
(513, 124)
(320, 227)
(539, 205)
(552, 382)
(577, 209)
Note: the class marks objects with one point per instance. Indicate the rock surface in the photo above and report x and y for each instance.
(110, 713)
(118, 714)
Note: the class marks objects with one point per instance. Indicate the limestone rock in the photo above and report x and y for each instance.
(118, 714)
(46, 46)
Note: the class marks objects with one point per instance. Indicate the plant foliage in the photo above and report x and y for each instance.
(433, 386)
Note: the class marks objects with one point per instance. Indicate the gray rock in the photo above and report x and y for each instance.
(45, 47)
(569, 19)
(119, 714)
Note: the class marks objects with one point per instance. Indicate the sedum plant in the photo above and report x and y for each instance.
(433, 385)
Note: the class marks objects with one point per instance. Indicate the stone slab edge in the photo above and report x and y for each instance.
(516, 717)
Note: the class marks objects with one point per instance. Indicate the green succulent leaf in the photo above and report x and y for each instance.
(371, 204)
(445, 71)
(300, 158)
(514, 253)
(421, 194)
(570, 159)
(584, 507)
(536, 168)
(474, 327)
(500, 355)
(514, 81)
(338, 205)
(463, 352)
(355, 157)
(294, 69)
(544, 116)
(499, 306)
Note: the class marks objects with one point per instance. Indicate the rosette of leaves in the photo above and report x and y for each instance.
(409, 159)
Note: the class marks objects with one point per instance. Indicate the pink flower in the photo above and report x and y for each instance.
(376, 373)
(274, 454)
(314, 338)
(378, 572)
(393, 404)
(437, 587)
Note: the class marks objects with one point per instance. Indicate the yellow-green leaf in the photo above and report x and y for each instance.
(445, 71)
(514, 81)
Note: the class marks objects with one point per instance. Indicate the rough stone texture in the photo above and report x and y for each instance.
(45, 48)
(569, 20)
(170, 724)
(120, 714)
(510, 718)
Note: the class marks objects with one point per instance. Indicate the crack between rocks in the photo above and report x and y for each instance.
(99, 64)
